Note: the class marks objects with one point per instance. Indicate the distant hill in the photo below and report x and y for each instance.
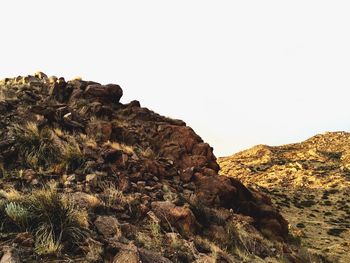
(309, 182)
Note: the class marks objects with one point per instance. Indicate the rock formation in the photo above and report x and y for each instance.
(85, 178)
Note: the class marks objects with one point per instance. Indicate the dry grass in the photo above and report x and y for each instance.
(89, 142)
(113, 196)
(153, 238)
(50, 217)
(120, 146)
(72, 158)
(36, 146)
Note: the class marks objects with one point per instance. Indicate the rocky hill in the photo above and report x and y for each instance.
(85, 178)
(309, 182)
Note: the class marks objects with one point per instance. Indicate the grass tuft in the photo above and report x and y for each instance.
(36, 145)
(73, 158)
(51, 218)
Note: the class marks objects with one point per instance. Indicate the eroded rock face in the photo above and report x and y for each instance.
(120, 162)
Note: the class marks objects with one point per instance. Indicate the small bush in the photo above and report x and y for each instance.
(53, 217)
(53, 221)
(72, 158)
(36, 146)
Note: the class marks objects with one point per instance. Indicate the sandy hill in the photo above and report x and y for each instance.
(309, 182)
(85, 178)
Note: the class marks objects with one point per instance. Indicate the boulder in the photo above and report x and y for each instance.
(180, 217)
(105, 93)
(108, 226)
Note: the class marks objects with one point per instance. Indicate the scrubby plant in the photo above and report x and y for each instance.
(36, 146)
(156, 233)
(51, 218)
(46, 243)
(55, 218)
(153, 238)
(72, 157)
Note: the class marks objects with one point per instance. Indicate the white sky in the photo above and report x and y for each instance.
(239, 72)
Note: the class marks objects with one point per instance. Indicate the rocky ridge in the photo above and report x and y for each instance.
(85, 178)
(309, 182)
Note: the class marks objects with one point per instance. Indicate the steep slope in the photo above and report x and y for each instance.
(85, 178)
(309, 182)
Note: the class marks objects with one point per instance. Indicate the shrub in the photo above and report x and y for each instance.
(36, 146)
(54, 218)
(53, 221)
(72, 158)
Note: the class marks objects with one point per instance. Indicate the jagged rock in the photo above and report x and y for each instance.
(106, 93)
(117, 163)
(101, 129)
(181, 218)
(108, 226)
(129, 254)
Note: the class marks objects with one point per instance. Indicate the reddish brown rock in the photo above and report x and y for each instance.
(181, 218)
(195, 161)
(106, 93)
(216, 190)
(108, 226)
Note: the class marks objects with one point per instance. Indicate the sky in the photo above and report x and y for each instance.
(240, 73)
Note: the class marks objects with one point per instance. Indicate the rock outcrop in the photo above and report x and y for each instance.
(124, 176)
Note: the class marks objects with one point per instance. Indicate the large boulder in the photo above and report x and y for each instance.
(105, 93)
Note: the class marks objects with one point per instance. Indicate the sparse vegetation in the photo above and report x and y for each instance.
(51, 218)
(72, 158)
(85, 178)
(153, 238)
(112, 196)
(120, 146)
(36, 146)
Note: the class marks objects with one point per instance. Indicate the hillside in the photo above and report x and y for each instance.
(309, 182)
(86, 178)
